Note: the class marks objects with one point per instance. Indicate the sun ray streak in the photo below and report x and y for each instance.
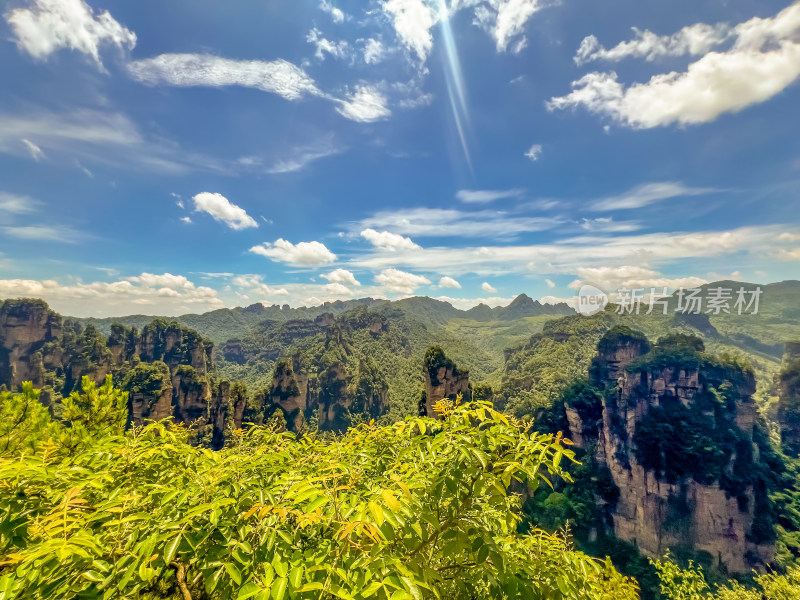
(455, 82)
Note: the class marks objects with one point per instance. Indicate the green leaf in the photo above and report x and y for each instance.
(169, 553)
(234, 573)
(279, 588)
(248, 590)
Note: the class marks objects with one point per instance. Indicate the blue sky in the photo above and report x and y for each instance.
(177, 157)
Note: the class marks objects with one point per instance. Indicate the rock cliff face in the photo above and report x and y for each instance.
(676, 434)
(789, 399)
(443, 379)
(166, 368)
(331, 382)
(25, 327)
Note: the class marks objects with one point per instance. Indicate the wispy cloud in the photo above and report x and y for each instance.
(277, 77)
(650, 193)
(485, 196)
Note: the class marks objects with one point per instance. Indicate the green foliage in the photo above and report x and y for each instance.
(98, 412)
(149, 379)
(691, 584)
(24, 422)
(621, 335)
(419, 509)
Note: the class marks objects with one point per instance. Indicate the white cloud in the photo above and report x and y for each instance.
(337, 289)
(413, 20)
(400, 281)
(534, 152)
(511, 18)
(164, 280)
(44, 233)
(50, 25)
(631, 277)
(387, 240)
(342, 276)
(223, 210)
(487, 287)
(104, 299)
(186, 220)
(467, 303)
(789, 254)
(485, 196)
(551, 284)
(566, 255)
(304, 254)
(449, 282)
(374, 51)
(340, 49)
(505, 20)
(336, 14)
(608, 225)
(365, 105)
(255, 285)
(35, 152)
(763, 61)
(649, 193)
(277, 77)
(440, 222)
(17, 204)
(694, 40)
(97, 136)
(302, 156)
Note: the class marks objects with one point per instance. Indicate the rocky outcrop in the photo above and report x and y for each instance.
(25, 327)
(290, 391)
(654, 405)
(443, 379)
(166, 369)
(789, 399)
(334, 385)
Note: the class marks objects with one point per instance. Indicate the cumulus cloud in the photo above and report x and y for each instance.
(336, 14)
(485, 196)
(365, 105)
(413, 20)
(131, 295)
(342, 276)
(505, 20)
(303, 254)
(487, 287)
(338, 289)
(551, 284)
(223, 210)
(649, 193)
(763, 61)
(277, 77)
(630, 277)
(449, 282)
(51, 25)
(374, 51)
(534, 152)
(340, 49)
(254, 284)
(694, 40)
(387, 240)
(401, 282)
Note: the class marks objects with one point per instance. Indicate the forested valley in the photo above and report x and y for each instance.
(406, 449)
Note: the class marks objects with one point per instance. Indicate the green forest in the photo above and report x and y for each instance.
(163, 458)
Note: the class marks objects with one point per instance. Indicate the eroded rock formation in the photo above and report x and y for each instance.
(675, 430)
(166, 368)
(789, 399)
(443, 379)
